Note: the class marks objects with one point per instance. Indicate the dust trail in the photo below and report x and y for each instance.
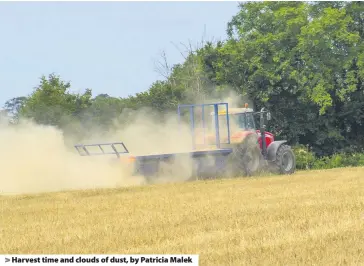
(35, 158)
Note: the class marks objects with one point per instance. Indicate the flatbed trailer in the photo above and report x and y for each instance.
(203, 162)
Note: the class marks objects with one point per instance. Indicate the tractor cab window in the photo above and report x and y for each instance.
(244, 121)
(250, 122)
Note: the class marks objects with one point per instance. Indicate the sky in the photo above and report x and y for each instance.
(109, 47)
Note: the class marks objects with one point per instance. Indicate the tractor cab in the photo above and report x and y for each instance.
(240, 122)
(240, 119)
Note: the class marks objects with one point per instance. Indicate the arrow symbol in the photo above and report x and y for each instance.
(7, 260)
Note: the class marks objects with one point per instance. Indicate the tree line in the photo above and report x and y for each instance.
(304, 61)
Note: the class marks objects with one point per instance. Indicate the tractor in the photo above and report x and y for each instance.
(254, 149)
(228, 144)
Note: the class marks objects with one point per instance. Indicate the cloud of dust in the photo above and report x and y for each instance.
(146, 134)
(36, 159)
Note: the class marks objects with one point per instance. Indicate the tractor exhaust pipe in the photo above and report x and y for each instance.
(262, 132)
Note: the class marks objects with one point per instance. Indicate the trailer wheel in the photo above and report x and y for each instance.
(246, 157)
(285, 160)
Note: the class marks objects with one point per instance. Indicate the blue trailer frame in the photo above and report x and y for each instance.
(192, 107)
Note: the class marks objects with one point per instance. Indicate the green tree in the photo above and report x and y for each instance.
(13, 106)
(51, 103)
(300, 60)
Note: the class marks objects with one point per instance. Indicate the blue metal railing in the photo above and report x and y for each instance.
(87, 152)
(192, 107)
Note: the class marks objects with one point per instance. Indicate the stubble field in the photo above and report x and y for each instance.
(310, 218)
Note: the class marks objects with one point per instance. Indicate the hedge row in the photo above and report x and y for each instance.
(307, 159)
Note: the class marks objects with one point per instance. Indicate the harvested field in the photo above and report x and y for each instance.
(310, 218)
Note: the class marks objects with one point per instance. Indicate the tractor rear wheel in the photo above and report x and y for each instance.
(285, 162)
(246, 157)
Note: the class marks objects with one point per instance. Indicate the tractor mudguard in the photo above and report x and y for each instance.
(273, 148)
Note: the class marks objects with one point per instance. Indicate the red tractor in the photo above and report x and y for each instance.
(252, 149)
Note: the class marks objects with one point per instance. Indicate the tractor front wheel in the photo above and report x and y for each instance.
(246, 157)
(285, 161)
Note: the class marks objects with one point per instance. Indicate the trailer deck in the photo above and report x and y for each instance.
(200, 162)
(192, 154)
